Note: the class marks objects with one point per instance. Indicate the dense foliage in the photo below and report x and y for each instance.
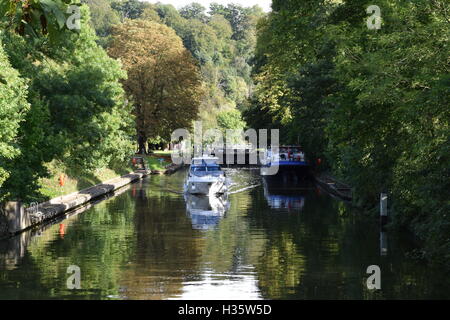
(37, 17)
(62, 96)
(78, 113)
(103, 18)
(374, 103)
(13, 107)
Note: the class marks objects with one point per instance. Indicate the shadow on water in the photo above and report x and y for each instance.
(274, 239)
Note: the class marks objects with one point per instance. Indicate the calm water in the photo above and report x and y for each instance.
(150, 242)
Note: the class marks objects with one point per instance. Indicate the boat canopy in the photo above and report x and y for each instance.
(210, 161)
(205, 166)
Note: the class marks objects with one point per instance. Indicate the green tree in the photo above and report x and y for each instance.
(193, 11)
(238, 17)
(129, 9)
(78, 111)
(372, 101)
(36, 17)
(231, 120)
(171, 17)
(151, 14)
(103, 17)
(221, 26)
(13, 109)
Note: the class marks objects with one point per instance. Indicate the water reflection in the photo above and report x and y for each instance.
(286, 191)
(286, 200)
(206, 212)
(383, 242)
(148, 243)
(167, 248)
(244, 287)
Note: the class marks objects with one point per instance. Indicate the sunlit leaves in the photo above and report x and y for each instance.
(78, 111)
(13, 108)
(35, 17)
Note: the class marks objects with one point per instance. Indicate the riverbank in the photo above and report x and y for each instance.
(79, 188)
(160, 162)
(17, 218)
(76, 179)
(334, 187)
(432, 248)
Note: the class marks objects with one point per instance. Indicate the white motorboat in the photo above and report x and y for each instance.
(205, 177)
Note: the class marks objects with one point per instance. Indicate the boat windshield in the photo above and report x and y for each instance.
(204, 162)
(206, 169)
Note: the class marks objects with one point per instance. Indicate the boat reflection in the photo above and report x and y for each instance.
(286, 192)
(206, 212)
(285, 202)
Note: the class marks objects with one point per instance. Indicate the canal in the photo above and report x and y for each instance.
(150, 242)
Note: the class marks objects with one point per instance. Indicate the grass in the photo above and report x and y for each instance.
(76, 178)
(154, 162)
(167, 154)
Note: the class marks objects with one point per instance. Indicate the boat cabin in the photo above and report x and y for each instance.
(289, 153)
(205, 166)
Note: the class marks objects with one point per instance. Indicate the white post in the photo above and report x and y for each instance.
(383, 208)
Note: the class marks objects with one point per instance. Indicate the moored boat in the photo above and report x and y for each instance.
(288, 158)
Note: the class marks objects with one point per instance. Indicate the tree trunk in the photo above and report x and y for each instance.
(142, 139)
